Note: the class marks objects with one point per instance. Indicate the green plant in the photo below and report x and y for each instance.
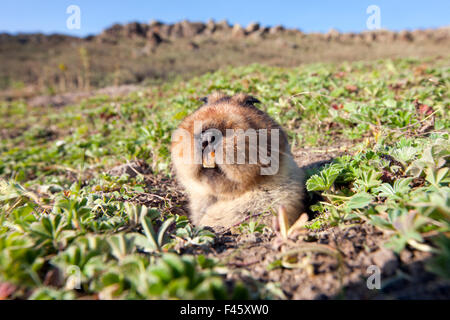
(252, 226)
(153, 241)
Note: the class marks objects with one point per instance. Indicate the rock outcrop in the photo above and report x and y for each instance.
(156, 32)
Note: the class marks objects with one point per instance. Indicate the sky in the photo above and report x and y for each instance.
(49, 16)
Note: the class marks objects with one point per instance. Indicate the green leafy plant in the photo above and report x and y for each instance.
(252, 226)
(195, 236)
(323, 180)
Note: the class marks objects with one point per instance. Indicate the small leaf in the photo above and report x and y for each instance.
(359, 200)
(163, 229)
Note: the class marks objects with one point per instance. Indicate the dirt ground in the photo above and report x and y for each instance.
(332, 263)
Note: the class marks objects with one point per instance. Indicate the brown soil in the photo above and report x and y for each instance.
(330, 264)
(161, 192)
(61, 100)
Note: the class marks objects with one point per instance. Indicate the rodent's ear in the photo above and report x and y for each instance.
(245, 99)
(213, 98)
(203, 99)
(252, 100)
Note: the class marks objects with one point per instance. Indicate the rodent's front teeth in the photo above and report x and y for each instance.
(209, 160)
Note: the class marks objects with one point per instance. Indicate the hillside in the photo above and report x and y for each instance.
(138, 53)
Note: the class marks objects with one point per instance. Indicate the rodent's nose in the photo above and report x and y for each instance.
(208, 139)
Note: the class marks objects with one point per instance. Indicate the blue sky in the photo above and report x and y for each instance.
(49, 16)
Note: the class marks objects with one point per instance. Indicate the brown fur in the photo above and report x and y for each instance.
(226, 195)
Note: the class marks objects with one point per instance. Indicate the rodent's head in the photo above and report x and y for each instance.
(227, 145)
